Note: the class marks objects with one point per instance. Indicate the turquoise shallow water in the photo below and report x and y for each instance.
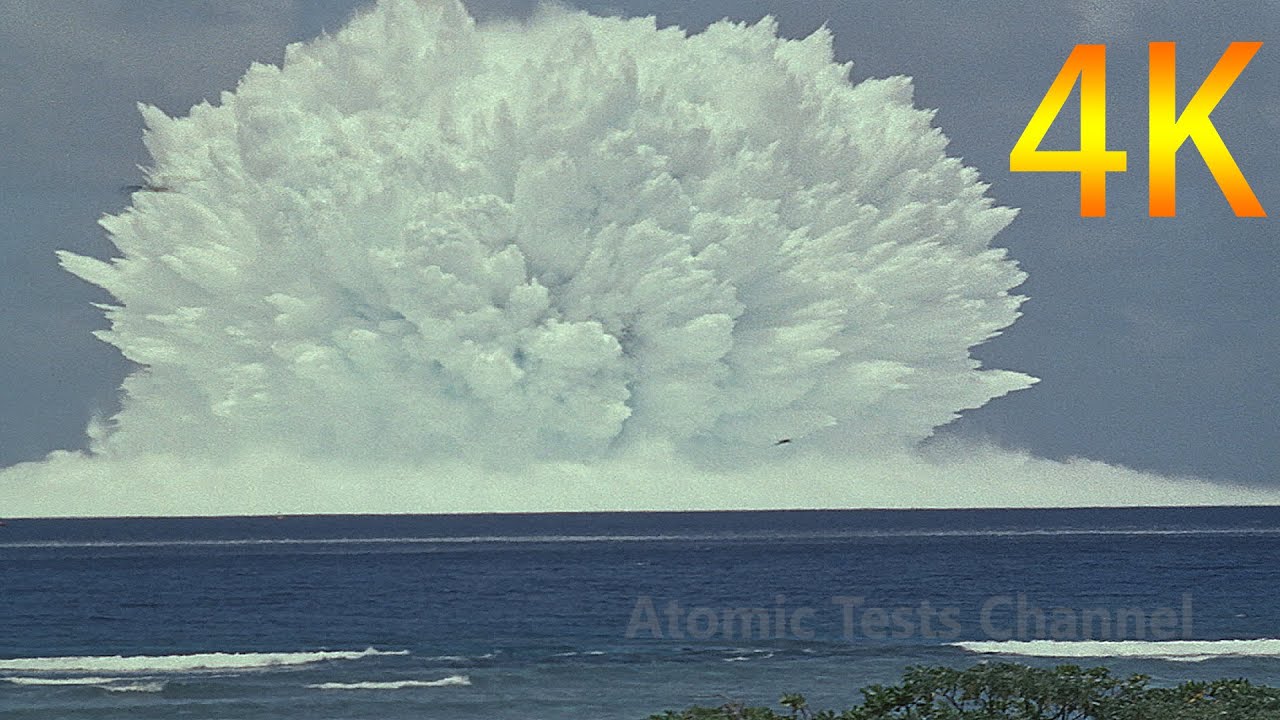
(610, 615)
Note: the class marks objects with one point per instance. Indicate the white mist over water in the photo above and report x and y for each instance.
(575, 263)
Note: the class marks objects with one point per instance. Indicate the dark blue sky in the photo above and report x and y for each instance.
(1156, 339)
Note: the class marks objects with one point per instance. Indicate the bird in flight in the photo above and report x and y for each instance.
(148, 187)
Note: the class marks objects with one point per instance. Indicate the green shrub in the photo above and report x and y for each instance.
(1007, 691)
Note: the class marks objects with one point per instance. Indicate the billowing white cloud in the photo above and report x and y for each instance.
(574, 263)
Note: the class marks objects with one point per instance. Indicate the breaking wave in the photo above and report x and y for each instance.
(146, 687)
(111, 684)
(176, 663)
(1175, 650)
(451, 681)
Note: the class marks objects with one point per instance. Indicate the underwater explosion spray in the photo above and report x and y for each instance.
(569, 263)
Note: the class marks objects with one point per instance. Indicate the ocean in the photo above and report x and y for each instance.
(596, 616)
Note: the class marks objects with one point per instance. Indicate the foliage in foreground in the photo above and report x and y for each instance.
(1007, 691)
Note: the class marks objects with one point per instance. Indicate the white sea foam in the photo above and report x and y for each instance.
(1174, 650)
(461, 658)
(452, 680)
(181, 663)
(113, 684)
(753, 654)
(22, 680)
(148, 687)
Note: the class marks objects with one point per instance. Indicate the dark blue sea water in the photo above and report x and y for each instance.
(610, 615)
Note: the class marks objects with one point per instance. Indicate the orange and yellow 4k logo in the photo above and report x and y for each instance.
(1168, 130)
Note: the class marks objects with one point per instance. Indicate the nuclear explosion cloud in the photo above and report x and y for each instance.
(580, 261)
(423, 237)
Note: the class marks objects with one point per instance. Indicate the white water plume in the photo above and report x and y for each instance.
(571, 263)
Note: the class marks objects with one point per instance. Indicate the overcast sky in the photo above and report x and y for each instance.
(1156, 340)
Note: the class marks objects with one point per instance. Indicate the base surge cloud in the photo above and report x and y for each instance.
(570, 263)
